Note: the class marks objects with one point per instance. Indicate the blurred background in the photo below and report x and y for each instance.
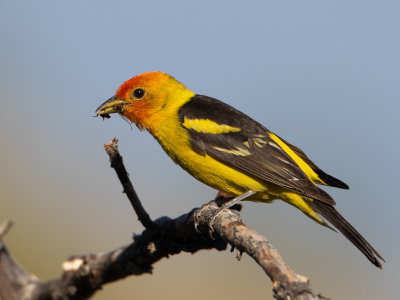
(324, 75)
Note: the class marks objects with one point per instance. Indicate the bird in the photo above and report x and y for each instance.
(229, 151)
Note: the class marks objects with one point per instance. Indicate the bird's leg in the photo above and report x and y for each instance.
(235, 200)
(228, 204)
(221, 195)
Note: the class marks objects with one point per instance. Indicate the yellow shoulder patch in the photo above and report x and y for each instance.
(208, 126)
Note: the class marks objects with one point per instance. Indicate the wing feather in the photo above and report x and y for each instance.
(250, 150)
(328, 179)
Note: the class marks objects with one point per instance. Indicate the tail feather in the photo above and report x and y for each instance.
(328, 212)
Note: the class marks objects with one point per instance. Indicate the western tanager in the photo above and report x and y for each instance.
(227, 150)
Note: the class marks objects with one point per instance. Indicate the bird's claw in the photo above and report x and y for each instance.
(227, 205)
(196, 218)
(197, 214)
(212, 220)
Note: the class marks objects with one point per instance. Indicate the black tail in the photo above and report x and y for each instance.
(336, 219)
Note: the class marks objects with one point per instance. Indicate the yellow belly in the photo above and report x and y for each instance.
(214, 173)
(223, 177)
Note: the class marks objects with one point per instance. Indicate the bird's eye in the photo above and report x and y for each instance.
(138, 93)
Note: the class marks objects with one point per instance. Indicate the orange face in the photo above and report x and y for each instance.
(141, 97)
(144, 94)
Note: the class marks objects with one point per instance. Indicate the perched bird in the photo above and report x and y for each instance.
(227, 150)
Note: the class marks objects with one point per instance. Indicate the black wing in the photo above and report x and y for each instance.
(249, 149)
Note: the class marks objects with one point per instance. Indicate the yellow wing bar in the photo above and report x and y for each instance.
(208, 126)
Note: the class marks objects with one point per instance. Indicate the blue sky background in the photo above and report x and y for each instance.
(324, 75)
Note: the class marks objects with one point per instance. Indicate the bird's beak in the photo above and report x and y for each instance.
(111, 106)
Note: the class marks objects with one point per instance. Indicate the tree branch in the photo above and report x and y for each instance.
(84, 275)
(118, 165)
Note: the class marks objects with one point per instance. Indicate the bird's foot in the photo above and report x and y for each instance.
(211, 205)
(212, 220)
(198, 212)
(228, 204)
